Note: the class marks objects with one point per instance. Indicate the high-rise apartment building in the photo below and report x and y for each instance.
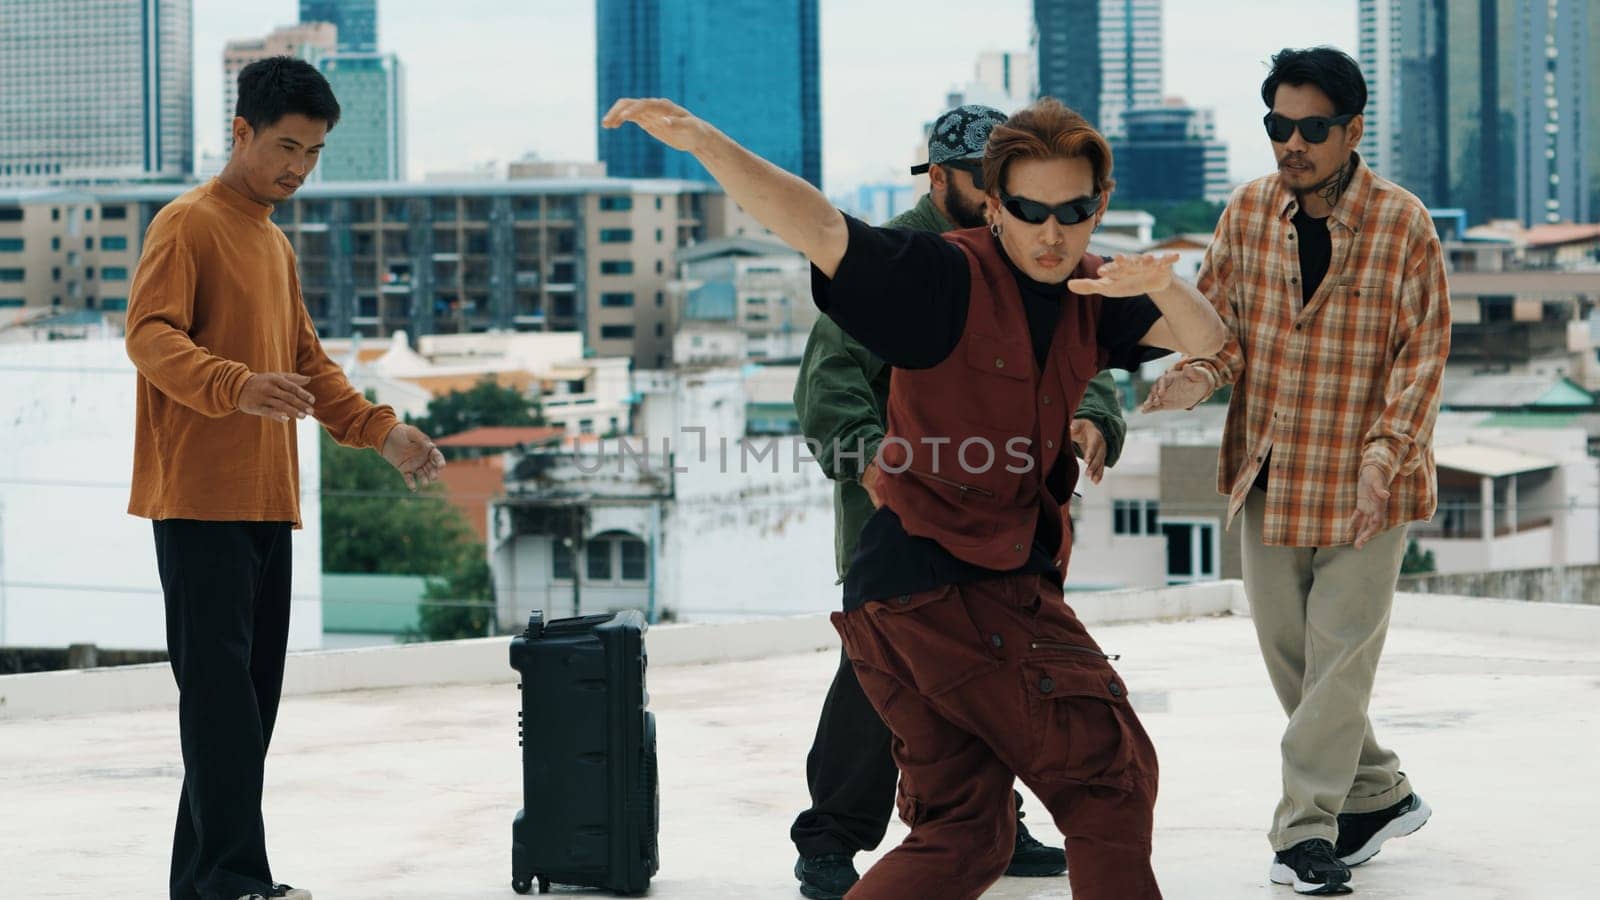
(95, 91)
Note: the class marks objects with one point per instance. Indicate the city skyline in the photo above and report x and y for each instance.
(883, 73)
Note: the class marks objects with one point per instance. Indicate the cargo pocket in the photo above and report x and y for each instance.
(931, 639)
(910, 808)
(1080, 724)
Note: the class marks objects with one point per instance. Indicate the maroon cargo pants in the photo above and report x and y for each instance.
(984, 680)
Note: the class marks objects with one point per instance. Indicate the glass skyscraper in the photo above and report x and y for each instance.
(1099, 57)
(750, 67)
(96, 90)
(1488, 105)
(369, 142)
(357, 21)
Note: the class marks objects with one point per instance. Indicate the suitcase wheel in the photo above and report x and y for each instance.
(521, 885)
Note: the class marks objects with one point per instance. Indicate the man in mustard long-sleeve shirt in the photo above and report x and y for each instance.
(228, 360)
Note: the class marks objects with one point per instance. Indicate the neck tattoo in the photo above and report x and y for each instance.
(1332, 188)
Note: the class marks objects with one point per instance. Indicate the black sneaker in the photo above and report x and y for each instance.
(825, 877)
(1312, 868)
(1361, 835)
(1032, 859)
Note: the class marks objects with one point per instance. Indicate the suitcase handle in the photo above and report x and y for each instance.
(535, 628)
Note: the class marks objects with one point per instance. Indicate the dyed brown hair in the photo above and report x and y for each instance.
(1046, 129)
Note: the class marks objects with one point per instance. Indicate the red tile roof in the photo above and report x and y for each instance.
(502, 436)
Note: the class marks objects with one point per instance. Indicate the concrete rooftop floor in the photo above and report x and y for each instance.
(410, 793)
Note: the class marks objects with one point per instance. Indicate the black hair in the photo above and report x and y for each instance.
(1328, 69)
(277, 86)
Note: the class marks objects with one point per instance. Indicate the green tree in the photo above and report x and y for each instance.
(465, 606)
(1416, 561)
(485, 403)
(372, 524)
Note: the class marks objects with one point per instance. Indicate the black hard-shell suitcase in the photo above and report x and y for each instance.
(591, 803)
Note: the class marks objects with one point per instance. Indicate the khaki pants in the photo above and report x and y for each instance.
(1321, 616)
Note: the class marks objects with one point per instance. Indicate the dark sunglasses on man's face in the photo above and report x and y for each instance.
(973, 167)
(1313, 128)
(1034, 213)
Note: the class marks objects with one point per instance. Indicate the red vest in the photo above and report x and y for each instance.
(981, 506)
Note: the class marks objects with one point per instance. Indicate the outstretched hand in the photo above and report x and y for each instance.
(1128, 275)
(1180, 387)
(413, 455)
(663, 120)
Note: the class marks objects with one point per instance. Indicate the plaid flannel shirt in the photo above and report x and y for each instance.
(1349, 378)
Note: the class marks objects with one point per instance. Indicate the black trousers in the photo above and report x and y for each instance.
(227, 597)
(850, 773)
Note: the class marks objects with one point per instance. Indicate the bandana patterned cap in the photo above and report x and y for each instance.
(960, 133)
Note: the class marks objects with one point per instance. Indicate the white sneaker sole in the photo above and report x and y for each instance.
(1400, 827)
(1282, 874)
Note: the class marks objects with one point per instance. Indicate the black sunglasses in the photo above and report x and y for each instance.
(973, 167)
(1313, 128)
(1034, 213)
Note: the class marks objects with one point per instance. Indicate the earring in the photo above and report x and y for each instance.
(994, 228)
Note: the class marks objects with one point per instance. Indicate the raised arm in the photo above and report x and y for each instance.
(791, 208)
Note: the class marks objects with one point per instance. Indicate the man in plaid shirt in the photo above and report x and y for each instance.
(1332, 285)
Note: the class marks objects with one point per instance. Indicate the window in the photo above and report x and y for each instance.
(89, 273)
(55, 243)
(114, 212)
(633, 559)
(658, 267)
(55, 214)
(616, 299)
(1191, 550)
(113, 242)
(598, 562)
(658, 203)
(88, 214)
(113, 273)
(10, 245)
(616, 235)
(660, 298)
(88, 243)
(10, 214)
(616, 332)
(658, 235)
(616, 267)
(661, 330)
(11, 275)
(1141, 517)
(11, 302)
(560, 560)
(114, 303)
(55, 273)
(616, 203)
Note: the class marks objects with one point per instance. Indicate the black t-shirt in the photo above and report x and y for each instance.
(903, 294)
(1316, 254)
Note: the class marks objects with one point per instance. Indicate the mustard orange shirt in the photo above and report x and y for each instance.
(216, 299)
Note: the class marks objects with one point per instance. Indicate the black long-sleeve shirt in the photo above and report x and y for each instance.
(904, 295)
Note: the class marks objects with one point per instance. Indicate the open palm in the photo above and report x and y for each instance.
(1128, 275)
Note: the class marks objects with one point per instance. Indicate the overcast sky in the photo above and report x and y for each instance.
(494, 79)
